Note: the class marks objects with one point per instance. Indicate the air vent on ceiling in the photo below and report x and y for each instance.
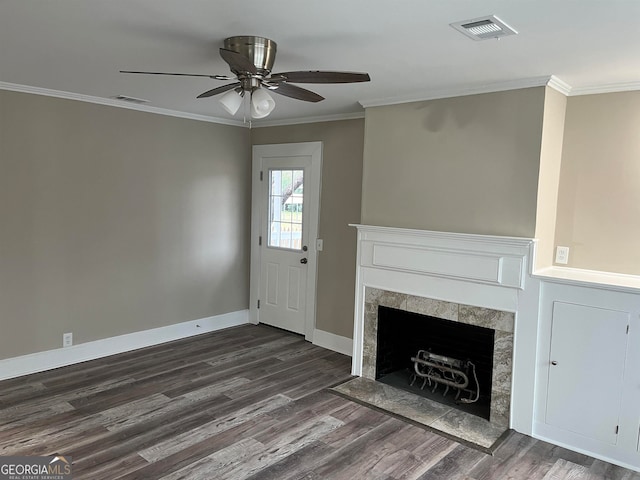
(484, 28)
(125, 98)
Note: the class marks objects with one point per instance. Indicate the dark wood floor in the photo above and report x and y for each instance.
(245, 403)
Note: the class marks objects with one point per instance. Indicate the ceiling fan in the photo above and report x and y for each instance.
(251, 58)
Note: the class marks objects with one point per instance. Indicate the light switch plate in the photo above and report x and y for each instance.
(319, 244)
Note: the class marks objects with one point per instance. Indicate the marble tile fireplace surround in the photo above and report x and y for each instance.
(500, 321)
(472, 279)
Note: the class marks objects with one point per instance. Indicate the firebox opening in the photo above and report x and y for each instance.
(445, 361)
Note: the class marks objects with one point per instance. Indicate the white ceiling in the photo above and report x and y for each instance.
(407, 46)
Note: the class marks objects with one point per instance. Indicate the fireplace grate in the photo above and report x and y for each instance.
(401, 335)
(435, 370)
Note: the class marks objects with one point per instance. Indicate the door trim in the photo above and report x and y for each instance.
(314, 149)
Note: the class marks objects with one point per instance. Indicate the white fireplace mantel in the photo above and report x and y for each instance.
(479, 270)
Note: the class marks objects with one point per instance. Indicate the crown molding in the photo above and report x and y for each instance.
(316, 119)
(14, 87)
(559, 85)
(607, 88)
(550, 80)
(460, 91)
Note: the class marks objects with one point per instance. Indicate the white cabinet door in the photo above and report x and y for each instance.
(587, 361)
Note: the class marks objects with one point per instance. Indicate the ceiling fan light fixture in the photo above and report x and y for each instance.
(261, 103)
(231, 101)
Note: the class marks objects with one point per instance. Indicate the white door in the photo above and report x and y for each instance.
(285, 211)
(588, 349)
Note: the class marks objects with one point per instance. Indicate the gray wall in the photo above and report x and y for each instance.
(465, 164)
(340, 206)
(116, 221)
(599, 195)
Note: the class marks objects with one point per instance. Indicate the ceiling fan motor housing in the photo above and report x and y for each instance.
(259, 50)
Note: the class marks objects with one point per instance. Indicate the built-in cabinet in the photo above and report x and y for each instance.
(588, 375)
(587, 364)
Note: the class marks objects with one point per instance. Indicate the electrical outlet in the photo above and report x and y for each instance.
(562, 255)
(67, 339)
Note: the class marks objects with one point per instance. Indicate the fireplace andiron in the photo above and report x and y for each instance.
(450, 372)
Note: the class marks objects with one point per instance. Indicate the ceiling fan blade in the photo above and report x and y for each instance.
(215, 77)
(296, 92)
(317, 76)
(237, 62)
(217, 90)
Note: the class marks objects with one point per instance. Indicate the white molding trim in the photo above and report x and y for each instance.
(551, 81)
(608, 88)
(303, 120)
(50, 359)
(446, 236)
(620, 282)
(334, 342)
(491, 260)
(627, 461)
(462, 90)
(559, 85)
(111, 102)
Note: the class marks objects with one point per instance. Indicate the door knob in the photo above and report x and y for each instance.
(303, 260)
(554, 363)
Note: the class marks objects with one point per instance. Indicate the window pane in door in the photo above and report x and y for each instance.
(286, 200)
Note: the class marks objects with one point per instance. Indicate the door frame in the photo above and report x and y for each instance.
(313, 149)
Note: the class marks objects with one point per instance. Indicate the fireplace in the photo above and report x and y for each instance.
(449, 362)
(474, 280)
(419, 310)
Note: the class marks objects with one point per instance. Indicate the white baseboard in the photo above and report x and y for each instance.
(624, 459)
(50, 359)
(333, 342)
